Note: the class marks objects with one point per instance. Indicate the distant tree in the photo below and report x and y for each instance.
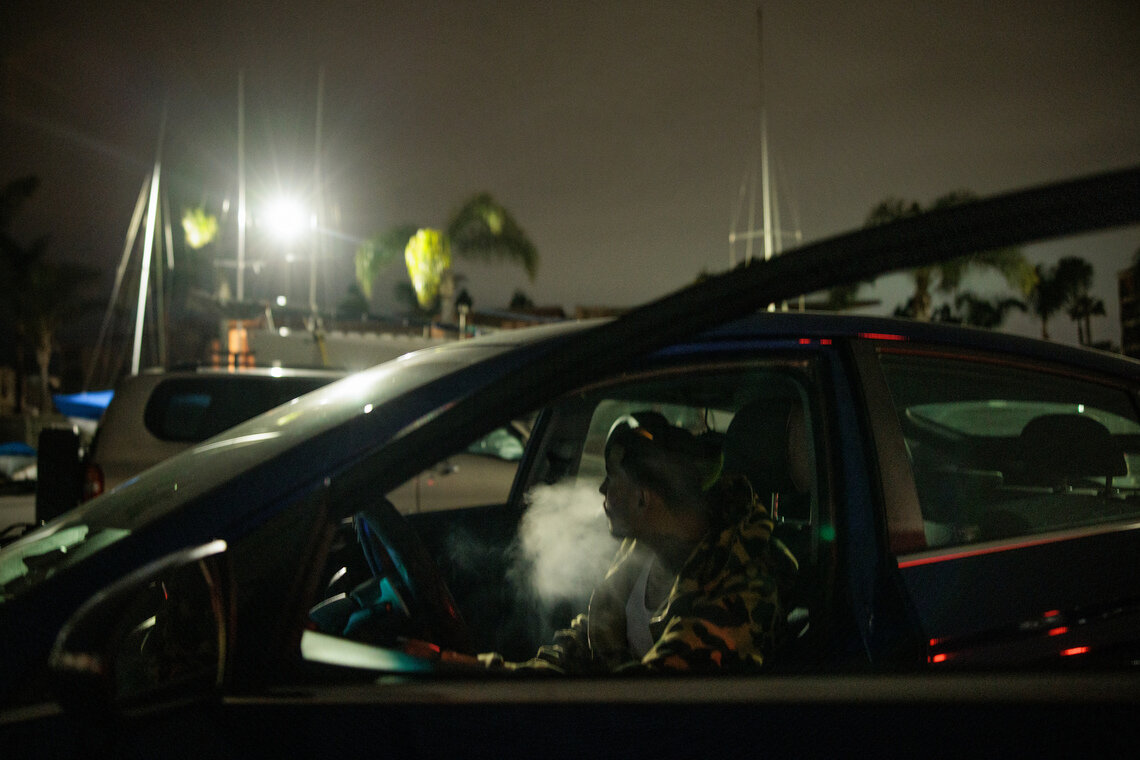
(845, 296)
(1046, 298)
(199, 226)
(482, 229)
(1073, 276)
(520, 300)
(1081, 311)
(39, 296)
(941, 313)
(945, 277)
(981, 312)
(1065, 287)
(353, 305)
(409, 303)
(375, 255)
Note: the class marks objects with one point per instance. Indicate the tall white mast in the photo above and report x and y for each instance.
(765, 183)
(318, 196)
(241, 189)
(148, 249)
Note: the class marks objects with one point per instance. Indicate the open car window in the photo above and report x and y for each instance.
(480, 475)
(520, 571)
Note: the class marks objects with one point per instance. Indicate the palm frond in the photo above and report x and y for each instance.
(375, 255)
(483, 229)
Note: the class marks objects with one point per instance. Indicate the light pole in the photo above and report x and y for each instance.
(286, 220)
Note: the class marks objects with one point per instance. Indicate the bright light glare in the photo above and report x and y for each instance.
(284, 218)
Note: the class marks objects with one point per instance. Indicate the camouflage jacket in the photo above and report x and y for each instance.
(723, 612)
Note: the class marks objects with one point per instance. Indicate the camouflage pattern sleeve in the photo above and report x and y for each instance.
(729, 628)
(724, 612)
(569, 652)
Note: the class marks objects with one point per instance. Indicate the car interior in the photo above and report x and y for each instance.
(517, 571)
(999, 452)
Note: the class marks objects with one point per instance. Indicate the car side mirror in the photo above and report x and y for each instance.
(59, 476)
(161, 632)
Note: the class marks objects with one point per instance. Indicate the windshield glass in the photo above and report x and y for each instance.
(92, 526)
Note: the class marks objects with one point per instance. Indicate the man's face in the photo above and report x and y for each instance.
(622, 495)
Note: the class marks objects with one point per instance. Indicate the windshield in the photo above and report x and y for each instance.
(148, 497)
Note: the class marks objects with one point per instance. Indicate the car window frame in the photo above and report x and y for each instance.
(902, 511)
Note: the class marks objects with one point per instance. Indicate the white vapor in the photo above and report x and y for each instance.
(565, 541)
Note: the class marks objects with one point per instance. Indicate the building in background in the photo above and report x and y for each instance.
(1128, 283)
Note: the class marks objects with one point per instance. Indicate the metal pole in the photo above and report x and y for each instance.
(765, 186)
(318, 195)
(128, 246)
(241, 189)
(148, 248)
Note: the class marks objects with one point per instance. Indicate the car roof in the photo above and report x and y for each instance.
(823, 325)
(241, 372)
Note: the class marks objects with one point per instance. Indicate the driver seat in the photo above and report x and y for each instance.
(767, 442)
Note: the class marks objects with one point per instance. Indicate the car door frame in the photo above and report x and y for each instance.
(1042, 620)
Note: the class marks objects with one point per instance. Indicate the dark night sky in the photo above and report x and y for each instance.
(617, 132)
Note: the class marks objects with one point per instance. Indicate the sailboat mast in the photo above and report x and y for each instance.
(318, 194)
(765, 182)
(148, 249)
(120, 273)
(241, 189)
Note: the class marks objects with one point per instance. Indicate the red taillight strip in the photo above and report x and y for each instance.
(994, 547)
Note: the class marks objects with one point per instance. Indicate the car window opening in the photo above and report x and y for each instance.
(518, 580)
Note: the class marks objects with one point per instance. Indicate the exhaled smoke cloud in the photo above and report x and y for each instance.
(565, 542)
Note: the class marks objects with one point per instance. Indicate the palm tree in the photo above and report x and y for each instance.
(1073, 276)
(15, 260)
(39, 296)
(1046, 298)
(1081, 311)
(375, 255)
(980, 312)
(947, 276)
(480, 230)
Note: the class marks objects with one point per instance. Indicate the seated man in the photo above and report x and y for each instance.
(696, 583)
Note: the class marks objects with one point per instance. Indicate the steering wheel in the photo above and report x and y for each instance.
(397, 556)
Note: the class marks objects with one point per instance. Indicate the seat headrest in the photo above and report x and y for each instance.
(1056, 447)
(767, 443)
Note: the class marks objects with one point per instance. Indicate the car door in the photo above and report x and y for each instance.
(1014, 506)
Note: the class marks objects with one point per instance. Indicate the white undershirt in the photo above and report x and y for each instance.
(637, 615)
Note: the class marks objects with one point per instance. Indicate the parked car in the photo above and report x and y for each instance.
(157, 414)
(964, 506)
(150, 417)
(17, 488)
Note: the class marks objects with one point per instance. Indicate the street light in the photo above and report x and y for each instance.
(285, 218)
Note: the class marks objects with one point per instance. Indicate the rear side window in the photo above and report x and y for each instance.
(1000, 451)
(192, 409)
